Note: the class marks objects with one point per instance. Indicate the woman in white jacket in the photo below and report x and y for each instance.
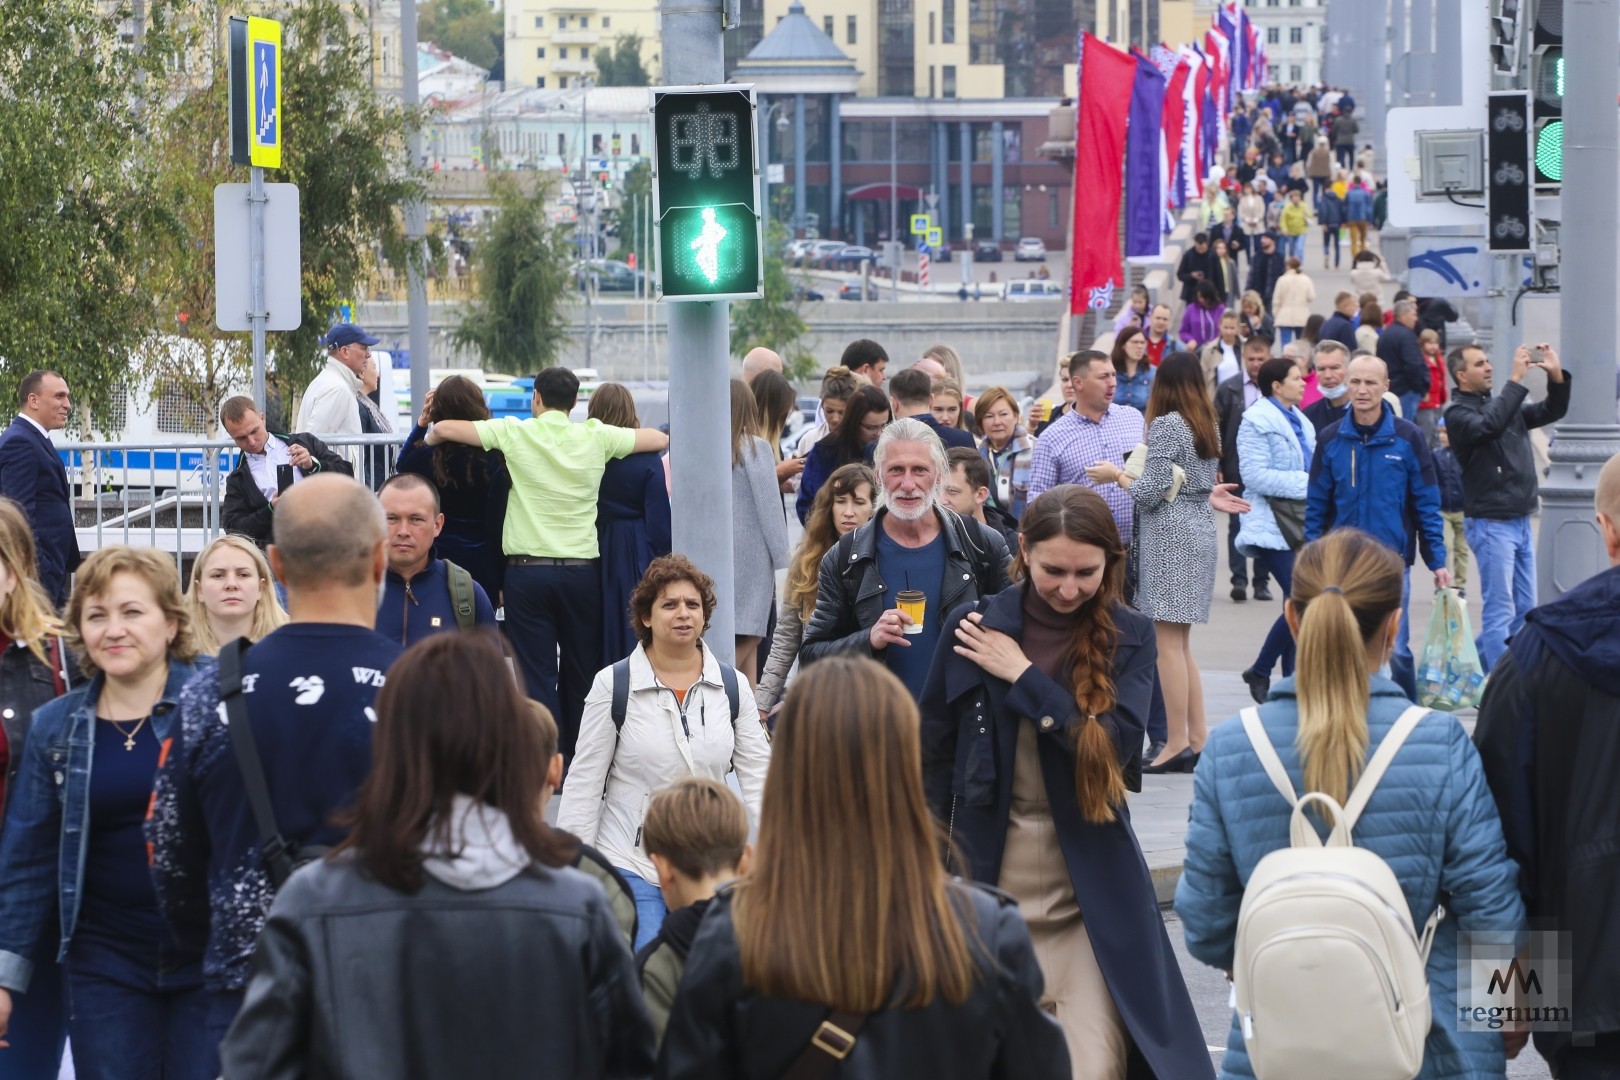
(1291, 302)
(678, 721)
(1275, 444)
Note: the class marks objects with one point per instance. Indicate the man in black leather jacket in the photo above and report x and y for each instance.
(1491, 438)
(914, 541)
(248, 508)
(1549, 738)
(1232, 397)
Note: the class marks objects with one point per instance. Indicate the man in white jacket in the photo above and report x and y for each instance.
(331, 404)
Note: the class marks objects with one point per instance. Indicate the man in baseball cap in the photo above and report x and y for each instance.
(331, 403)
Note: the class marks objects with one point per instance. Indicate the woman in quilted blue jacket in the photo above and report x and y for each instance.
(1431, 818)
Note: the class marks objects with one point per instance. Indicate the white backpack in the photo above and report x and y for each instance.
(1328, 976)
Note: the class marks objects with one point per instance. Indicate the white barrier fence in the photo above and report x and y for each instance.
(167, 495)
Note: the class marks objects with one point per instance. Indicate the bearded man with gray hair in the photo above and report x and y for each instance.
(915, 544)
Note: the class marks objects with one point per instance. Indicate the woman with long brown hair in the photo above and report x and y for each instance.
(473, 485)
(866, 414)
(844, 503)
(847, 933)
(1175, 542)
(758, 529)
(632, 520)
(1033, 719)
(451, 895)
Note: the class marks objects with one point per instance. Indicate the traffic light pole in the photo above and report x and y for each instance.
(415, 227)
(700, 362)
(1571, 548)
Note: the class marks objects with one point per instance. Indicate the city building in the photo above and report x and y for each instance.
(554, 44)
(1294, 33)
(443, 76)
(546, 130)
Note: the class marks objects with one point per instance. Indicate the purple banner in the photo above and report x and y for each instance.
(1144, 175)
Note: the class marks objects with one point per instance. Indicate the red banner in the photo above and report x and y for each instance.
(1106, 78)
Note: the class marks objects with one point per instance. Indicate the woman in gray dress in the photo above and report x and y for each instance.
(1175, 543)
(758, 527)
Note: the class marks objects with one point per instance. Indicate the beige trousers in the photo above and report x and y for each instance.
(1034, 871)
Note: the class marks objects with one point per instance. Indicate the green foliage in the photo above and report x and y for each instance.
(468, 28)
(622, 66)
(522, 265)
(73, 215)
(634, 194)
(774, 321)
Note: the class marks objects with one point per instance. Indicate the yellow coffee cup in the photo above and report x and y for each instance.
(912, 602)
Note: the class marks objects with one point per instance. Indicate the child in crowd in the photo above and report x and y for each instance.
(1434, 402)
(696, 833)
(1135, 311)
(1449, 473)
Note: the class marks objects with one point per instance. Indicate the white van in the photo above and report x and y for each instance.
(1034, 289)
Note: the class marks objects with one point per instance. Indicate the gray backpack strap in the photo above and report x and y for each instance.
(1256, 731)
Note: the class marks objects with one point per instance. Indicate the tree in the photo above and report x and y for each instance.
(622, 66)
(73, 215)
(522, 267)
(774, 321)
(631, 216)
(468, 28)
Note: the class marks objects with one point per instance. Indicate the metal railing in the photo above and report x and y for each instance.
(167, 495)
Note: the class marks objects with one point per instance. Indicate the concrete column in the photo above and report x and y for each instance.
(942, 177)
(798, 161)
(965, 141)
(1571, 547)
(997, 180)
(835, 158)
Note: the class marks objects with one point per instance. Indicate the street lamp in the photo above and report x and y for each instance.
(782, 124)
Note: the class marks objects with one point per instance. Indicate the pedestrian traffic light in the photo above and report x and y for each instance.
(607, 181)
(1507, 178)
(706, 193)
(1547, 93)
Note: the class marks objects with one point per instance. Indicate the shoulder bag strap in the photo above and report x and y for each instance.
(1380, 761)
(728, 679)
(621, 694)
(1256, 731)
(830, 1044)
(276, 858)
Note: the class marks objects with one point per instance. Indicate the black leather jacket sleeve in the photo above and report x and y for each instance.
(326, 459)
(270, 1039)
(833, 629)
(244, 509)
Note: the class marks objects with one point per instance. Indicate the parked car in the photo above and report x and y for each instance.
(610, 275)
(851, 256)
(794, 251)
(1034, 289)
(807, 292)
(987, 251)
(1030, 249)
(822, 251)
(851, 290)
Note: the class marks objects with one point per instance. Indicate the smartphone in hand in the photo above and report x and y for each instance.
(284, 477)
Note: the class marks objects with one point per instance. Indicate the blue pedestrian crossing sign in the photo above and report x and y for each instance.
(264, 92)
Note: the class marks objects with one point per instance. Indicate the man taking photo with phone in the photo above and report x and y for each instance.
(269, 464)
(1490, 437)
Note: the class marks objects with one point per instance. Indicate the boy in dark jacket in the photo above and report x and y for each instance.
(1449, 473)
(696, 833)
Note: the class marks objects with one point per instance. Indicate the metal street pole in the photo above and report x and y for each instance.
(415, 224)
(257, 315)
(700, 360)
(1571, 548)
(894, 209)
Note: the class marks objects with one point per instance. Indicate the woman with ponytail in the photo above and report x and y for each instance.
(1431, 818)
(1032, 724)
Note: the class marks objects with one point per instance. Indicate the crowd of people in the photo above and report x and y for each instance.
(292, 819)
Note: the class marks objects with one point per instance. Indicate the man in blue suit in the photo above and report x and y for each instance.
(31, 473)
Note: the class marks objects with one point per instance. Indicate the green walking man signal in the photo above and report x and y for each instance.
(708, 232)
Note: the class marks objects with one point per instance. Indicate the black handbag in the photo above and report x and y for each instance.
(1290, 516)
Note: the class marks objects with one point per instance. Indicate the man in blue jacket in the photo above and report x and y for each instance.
(424, 595)
(31, 474)
(1374, 472)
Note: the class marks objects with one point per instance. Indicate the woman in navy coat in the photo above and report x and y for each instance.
(632, 521)
(472, 484)
(1029, 782)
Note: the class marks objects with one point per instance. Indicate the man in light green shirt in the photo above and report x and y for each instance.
(552, 592)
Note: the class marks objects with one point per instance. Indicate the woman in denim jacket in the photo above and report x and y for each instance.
(73, 849)
(1431, 818)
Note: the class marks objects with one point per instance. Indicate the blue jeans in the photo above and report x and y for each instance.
(552, 610)
(38, 1028)
(1295, 246)
(1286, 334)
(1279, 643)
(1401, 667)
(1409, 406)
(650, 907)
(136, 1010)
(1507, 580)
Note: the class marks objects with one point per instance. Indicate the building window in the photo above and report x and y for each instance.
(635, 143)
(827, 25)
(562, 53)
(930, 28)
(1296, 73)
(1273, 35)
(849, 29)
(540, 53)
(947, 22)
(1273, 72)
(947, 81)
(562, 145)
(539, 82)
(585, 52)
(607, 22)
(1052, 210)
(539, 22)
(596, 146)
(930, 80)
(1296, 35)
(562, 22)
(584, 22)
